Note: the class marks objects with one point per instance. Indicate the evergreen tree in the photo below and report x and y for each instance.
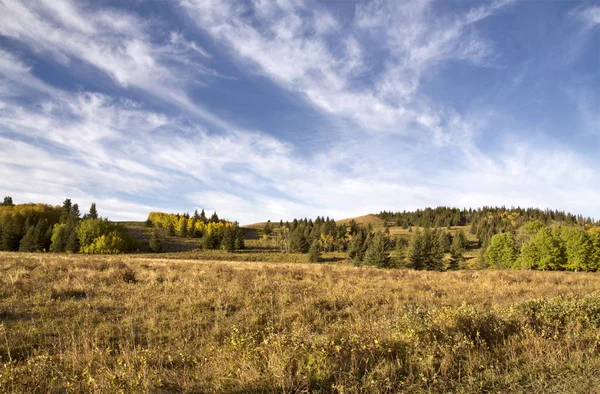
(156, 241)
(8, 201)
(27, 243)
(415, 258)
(228, 239)
(211, 240)
(214, 218)
(400, 252)
(203, 216)
(93, 214)
(42, 234)
(66, 211)
(75, 214)
(239, 239)
(298, 241)
(358, 245)
(170, 230)
(72, 244)
(268, 228)
(59, 238)
(183, 230)
(314, 253)
(11, 234)
(456, 253)
(378, 252)
(444, 241)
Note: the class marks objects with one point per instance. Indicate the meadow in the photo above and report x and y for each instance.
(147, 324)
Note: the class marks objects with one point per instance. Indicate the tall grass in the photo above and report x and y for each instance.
(133, 324)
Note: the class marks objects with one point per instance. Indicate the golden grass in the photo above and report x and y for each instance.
(74, 323)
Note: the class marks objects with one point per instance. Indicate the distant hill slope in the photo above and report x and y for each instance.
(364, 220)
(373, 219)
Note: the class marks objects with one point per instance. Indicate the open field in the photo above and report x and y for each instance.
(73, 323)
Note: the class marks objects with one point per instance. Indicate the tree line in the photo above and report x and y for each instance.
(556, 246)
(43, 228)
(498, 216)
(215, 233)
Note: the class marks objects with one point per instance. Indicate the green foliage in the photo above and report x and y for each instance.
(7, 202)
(456, 252)
(156, 241)
(298, 239)
(378, 252)
(114, 242)
(580, 248)
(170, 230)
(268, 228)
(66, 210)
(93, 214)
(314, 253)
(99, 236)
(543, 251)
(424, 251)
(211, 240)
(501, 252)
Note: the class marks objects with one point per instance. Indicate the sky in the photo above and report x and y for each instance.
(276, 109)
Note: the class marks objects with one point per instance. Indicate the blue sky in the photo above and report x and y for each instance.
(272, 109)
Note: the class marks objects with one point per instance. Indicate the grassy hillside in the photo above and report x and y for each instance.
(74, 323)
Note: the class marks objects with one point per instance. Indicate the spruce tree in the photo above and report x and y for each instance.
(93, 214)
(183, 230)
(27, 243)
(314, 253)
(456, 253)
(170, 229)
(42, 235)
(75, 214)
(214, 218)
(203, 216)
(8, 201)
(239, 239)
(156, 241)
(378, 252)
(66, 211)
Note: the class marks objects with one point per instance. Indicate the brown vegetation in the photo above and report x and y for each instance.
(73, 323)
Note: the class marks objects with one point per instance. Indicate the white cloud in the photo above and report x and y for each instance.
(283, 42)
(92, 147)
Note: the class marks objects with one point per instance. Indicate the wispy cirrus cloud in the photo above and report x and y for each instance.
(397, 145)
(324, 64)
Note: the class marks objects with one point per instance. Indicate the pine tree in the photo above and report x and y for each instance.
(239, 239)
(183, 230)
(75, 214)
(268, 228)
(314, 253)
(203, 217)
(170, 229)
(210, 240)
(42, 235)
(156, 241)
(456, 253)
(228, 241)
(378, 252)
(93, 214)
(66, 211)
(214, 218)
(8, 201)
(27, 243)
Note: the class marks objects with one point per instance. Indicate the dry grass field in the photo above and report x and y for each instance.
(129, 324)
